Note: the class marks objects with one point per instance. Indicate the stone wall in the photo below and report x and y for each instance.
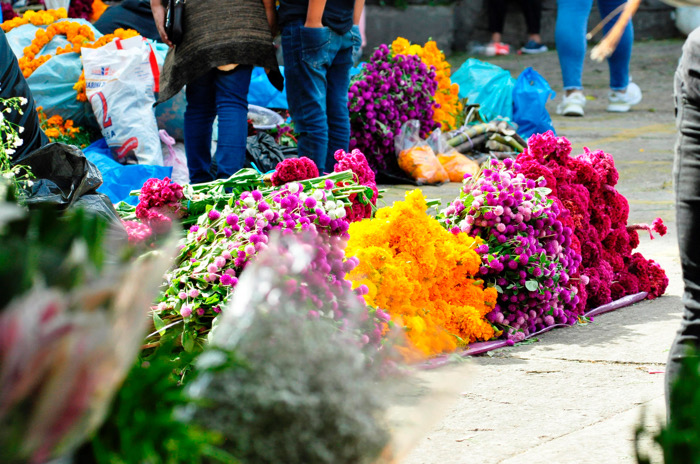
(454, 26)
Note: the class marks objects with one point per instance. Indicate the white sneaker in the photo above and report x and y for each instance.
(572, 105)
(622, 102)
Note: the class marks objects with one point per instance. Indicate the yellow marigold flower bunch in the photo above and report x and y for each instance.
(37, 18)
(447, 93)
(422, 275)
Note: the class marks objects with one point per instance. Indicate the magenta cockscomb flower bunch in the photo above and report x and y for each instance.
(389, 91)
(80, 9)
(363, 203)
(137, 232)
(294, 169)
(526, 251)
(160, 201)
(585, 186)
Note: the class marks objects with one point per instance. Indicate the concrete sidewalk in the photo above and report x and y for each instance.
(576, 394)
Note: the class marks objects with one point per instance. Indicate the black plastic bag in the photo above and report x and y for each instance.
(62, 174)
(262, 150)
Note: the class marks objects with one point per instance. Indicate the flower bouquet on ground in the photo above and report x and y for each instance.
(424, 277)
(526, 252)
(389, 91)
(236, 226)
(598, 213)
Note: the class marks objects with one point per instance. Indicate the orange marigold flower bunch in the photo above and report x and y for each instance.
(59, 130)
(447, 93)
(77, 34)
(37, 18)
(422, 275)
(120, 33)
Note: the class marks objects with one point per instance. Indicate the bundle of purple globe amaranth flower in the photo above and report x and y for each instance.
(526, 254)
(224, 240)
(389, 91)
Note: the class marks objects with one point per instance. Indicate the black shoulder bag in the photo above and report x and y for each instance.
(174, 21)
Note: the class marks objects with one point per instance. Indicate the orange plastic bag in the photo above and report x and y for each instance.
(457, 165)
(422, 165)
(416, 158)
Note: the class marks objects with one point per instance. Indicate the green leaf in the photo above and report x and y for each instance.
(498, 288)
(532, 285)
(187, 341)
(158, 324)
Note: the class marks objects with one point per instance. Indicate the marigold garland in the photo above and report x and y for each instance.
(447, 94)
(422, 275)
(37, 18)
(77, 34)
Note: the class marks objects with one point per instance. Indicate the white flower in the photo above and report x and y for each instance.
(18, 142)
(10, 151)
(249, 201)
(340, 212)
(22, 101)
(294, 187)
(330, 205)
(8, 175)
(318, 195)
(21, 129)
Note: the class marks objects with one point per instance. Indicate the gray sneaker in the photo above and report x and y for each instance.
(572, 105)
(622, 102)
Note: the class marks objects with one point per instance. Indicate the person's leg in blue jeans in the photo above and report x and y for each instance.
(306, 58)
(338, 78)
(570, 36)
(687, 186)
(199, 118)
(232, 109)
(619, 61)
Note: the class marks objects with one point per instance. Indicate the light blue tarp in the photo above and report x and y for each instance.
(117, 179)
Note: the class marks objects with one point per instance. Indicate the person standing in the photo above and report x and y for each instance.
(532, 9)
(570, 36)
(222, 42)
(318, 41)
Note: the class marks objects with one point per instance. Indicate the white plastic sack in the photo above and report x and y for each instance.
(119, 86)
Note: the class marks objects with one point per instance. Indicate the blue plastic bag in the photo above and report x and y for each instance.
(117, 179)
(530, 96)
(488, 85)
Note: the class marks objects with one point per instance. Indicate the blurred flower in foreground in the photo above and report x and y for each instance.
(65, 349)
(304, 385)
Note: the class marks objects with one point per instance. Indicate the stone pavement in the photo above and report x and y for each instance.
(576, 394)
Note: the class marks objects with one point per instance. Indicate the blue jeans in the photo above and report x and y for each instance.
(570, 36)
(224, 94)
(686, 175)
(317, 64)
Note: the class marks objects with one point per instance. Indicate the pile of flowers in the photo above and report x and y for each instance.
(63, 131)
(389, 91)
(160, 201)
(223, 242)
(7, 11)
(527, 254)
(447, 103)
(426, 278)
(37, 18)
(585, 186)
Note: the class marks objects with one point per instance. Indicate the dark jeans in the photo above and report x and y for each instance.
(317, 64)
(497, 9)
(224, 94)
(687, 181)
